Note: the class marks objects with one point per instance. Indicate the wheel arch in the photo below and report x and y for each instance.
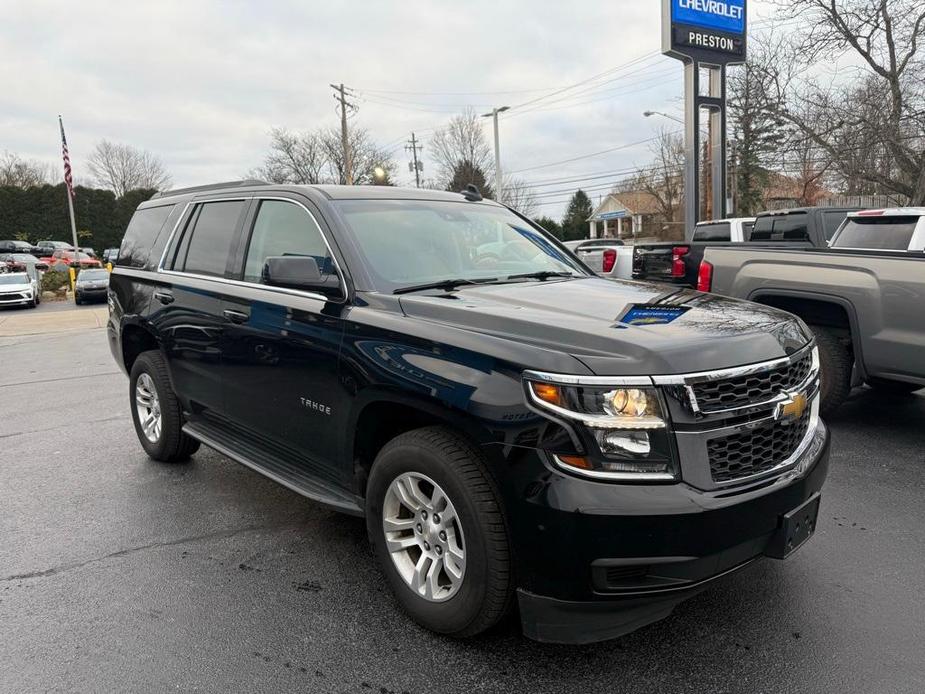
(379, 416)
(820, 309)
(136, 337)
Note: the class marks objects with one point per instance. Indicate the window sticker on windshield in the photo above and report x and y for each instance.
(641, 314)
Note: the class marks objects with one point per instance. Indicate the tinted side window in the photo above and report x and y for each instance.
(712, 232)
(761, 231)
(141, 234)
(283, 228)
(747, 228)
(885, 233)
(206, 247)
(791, 227)
(830, 223)
(786, 227)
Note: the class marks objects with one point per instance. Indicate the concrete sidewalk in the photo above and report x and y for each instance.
(14, 322)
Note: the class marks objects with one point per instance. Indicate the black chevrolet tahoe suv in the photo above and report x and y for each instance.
(515, 430)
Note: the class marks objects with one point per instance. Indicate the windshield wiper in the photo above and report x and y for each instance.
(443, 284)
(542, 275)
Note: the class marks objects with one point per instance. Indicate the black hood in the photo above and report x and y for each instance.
(620, 328)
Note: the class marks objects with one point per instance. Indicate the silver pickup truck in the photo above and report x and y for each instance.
(863, 297)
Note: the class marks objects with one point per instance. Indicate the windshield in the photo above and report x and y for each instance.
(883, 233)
(17, 278)
(93, 275)
(410, 242)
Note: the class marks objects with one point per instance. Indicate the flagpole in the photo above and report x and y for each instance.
(70, 206)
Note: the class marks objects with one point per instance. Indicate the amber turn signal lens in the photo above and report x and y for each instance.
(575, 461)
(548, 393)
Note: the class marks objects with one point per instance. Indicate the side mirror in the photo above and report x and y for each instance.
(300, 272)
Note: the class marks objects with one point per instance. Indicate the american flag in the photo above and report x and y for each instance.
(67, 161)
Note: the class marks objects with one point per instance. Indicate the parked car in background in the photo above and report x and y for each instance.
(734, 229)
(678, 263)
(92, 285)
(16, 246)
(47, 248)
(89, 251)
(514, 431)
(68, 258)
(607, 257)
(19, 288)
(19, 261)
(863, 297)
(800, 227)
(110, 255)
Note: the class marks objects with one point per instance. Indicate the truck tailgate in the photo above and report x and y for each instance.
(592, 257)
(652, 261)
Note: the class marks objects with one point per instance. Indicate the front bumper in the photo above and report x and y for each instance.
(17, 299)
(597, 561)
(97, 293)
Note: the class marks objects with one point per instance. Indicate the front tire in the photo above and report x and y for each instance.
(835, 363)
(434, 518)
(156, 412)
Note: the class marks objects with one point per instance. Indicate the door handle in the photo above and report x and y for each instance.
(164, 297)
(235, 316)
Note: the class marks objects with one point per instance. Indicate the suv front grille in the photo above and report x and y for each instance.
(741, 391)
(754, 452)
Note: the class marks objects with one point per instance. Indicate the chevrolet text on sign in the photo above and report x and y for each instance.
(719, 15)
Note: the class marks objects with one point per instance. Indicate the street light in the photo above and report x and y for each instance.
(494, 115)
(379, 175)
(647, 114)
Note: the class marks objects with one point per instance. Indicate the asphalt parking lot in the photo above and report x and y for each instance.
(121, 574)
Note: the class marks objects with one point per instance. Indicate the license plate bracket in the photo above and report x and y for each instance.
(794, 529)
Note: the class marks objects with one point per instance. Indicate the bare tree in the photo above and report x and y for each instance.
(518, 195)
(365, 156)
(23, 173)
(758, 132)
(299, 158)
(462, 140)
(122, 168)
(884, 111)
(664, 179)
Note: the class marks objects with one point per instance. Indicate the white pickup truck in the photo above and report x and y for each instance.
(607, 257)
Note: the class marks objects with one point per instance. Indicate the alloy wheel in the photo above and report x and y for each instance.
(424, 536)
(148, 407)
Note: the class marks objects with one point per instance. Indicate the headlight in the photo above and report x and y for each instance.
(624, 427)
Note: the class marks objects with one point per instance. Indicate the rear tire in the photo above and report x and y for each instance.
(835, 368)
(151, 396)
(470, 594)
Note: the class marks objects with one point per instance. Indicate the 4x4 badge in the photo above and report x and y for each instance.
(791, 409)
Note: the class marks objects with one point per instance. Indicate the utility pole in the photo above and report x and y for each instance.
(348, 158)
(499, 179)
(413, 147)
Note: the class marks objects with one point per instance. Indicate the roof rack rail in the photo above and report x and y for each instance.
(211, 186)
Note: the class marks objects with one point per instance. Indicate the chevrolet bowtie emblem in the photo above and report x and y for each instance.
(791, 409)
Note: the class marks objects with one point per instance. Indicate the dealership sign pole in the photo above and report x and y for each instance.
(707, 35)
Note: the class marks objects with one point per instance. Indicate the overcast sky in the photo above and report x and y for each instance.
(201, 83)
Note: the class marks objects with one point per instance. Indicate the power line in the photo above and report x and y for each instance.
(588, 156)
